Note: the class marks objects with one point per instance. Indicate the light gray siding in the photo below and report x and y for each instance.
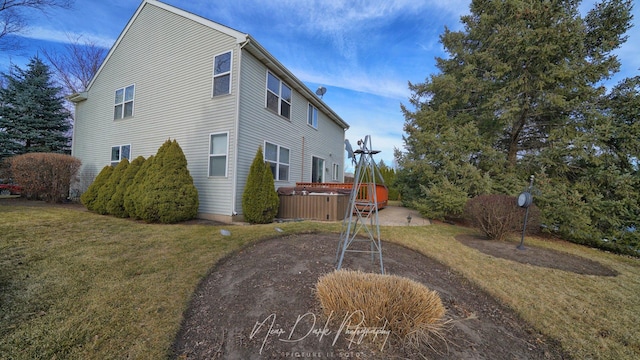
(169, 58)
(168, 55)
(259, 124)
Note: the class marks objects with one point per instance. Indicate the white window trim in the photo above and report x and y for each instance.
(314, 123)
(279, 95)
(335, 172)
(133, 102)
(226, 155)
(278, 163)
(230, 72)
(114, 162)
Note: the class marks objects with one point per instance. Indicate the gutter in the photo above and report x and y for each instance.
(234, 180)
(273, 64)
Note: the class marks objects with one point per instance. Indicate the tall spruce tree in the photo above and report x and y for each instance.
(32, 113)
(519, 94)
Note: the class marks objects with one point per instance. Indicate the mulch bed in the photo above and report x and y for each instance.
(255, 300)
(537, 256)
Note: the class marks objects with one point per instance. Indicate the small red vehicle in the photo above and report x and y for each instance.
(10, 189)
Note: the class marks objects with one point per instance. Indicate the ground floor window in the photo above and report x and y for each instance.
(120, 152)
(335, 173)
(218, 147)
(278, 159)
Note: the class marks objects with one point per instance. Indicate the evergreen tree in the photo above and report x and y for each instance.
(519, 94)
(260, 200)
(89, 197)
(169, 195)
(135, 192)
(32, 113)
(389, 176)
(101, 205)
(116, 204)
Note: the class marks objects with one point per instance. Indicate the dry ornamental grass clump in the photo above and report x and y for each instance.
(408, 309)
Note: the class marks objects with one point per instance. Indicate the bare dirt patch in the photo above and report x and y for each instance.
(260, 304)
(537, 256)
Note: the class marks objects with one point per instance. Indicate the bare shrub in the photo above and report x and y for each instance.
(45, 176)
(499, 216)
(408, 309)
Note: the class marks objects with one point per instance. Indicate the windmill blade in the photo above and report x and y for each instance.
(350, 154)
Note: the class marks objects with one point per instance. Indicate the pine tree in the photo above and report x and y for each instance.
(169, 195)
(134, 193)
(389, 176)
(260, 200)
(89, 197)
(101, 205)
(116, 204)
(519, 94)
(32, 112)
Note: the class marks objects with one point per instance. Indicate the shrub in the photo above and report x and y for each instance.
(169, 195)
(442, 200)
(116, 204)
(45, 176)
(134, 193)
(260, 200)
(407, 308)
(499, 216)
(89, 197)
(106, 191)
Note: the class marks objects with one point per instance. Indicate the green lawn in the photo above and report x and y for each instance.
(79, 285)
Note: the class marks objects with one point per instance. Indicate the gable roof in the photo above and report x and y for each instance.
(246, 42)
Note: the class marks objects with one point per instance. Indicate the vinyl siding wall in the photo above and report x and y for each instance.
(170, 60)
(259, 124)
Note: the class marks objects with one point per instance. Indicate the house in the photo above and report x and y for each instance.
(219, 93)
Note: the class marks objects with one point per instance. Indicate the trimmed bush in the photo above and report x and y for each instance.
(411, 311)
(134, 193)
(260, 200)
(106, 191)
(169, 195)
(45, 176)
(89, 197)
(116, 204)
(441, 201)
(499, 216)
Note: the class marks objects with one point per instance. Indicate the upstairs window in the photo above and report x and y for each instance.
(222, 74)
(120, 152)
(278, 96)
(218, 154)
(312, 116)
(124, 102)
(278, 159)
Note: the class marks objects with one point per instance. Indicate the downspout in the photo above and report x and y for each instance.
(302, 168)
(234, 184)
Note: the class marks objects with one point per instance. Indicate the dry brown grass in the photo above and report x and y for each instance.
(409, 310)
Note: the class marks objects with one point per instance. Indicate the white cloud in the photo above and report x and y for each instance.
(46, 34)
(357, 80)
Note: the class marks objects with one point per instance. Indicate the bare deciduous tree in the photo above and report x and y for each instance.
(13, 19)
(76, 66)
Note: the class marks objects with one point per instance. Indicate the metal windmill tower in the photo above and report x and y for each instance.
(362, 212)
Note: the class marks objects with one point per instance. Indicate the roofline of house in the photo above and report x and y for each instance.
(246, 41)
(257, 50)
(199, 19)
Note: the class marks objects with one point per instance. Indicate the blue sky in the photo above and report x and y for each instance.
(363, 51)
